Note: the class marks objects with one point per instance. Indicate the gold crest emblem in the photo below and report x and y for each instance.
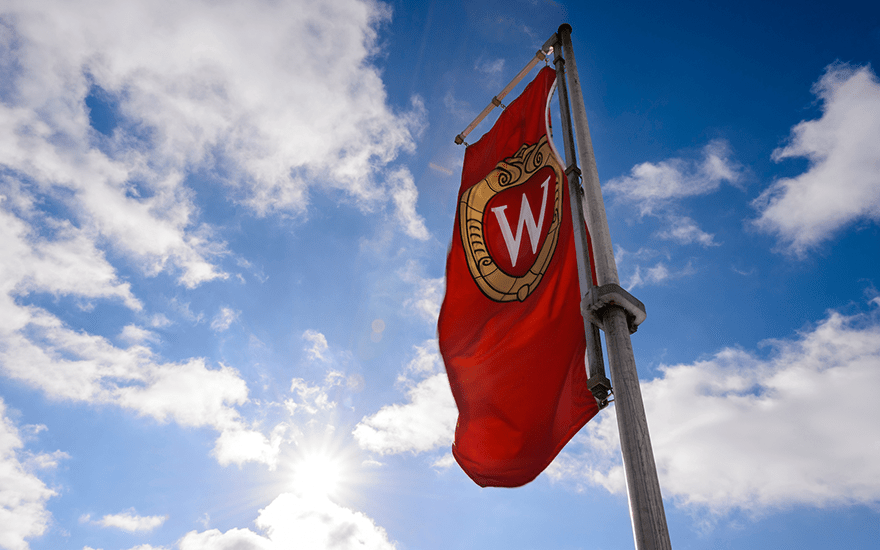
(496, 283)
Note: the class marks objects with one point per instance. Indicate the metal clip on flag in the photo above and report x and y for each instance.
(529, 284)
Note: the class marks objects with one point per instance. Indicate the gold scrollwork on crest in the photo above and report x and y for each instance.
(509, 173)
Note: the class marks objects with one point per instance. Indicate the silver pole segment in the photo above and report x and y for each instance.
(603, 252)
(643, 489)
(598, 383)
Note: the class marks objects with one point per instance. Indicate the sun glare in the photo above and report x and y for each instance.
(318, 475)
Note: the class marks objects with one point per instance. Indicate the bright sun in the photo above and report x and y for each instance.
(318, 475)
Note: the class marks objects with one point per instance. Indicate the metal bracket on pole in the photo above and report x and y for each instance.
(599, 298)
(600, 387)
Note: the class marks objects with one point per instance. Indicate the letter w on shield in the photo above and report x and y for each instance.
(527, 220)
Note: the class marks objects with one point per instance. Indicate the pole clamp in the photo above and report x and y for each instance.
(600, 387)
(599, 298)
(559, 60)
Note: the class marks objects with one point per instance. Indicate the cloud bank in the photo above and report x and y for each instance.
(425, 422)
(109, 111)
(130, 521)
(743, 431)
(842, 184)
(23, 495)
(654, 186)
(295, 521)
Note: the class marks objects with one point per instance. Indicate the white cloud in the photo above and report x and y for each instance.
(195, 86)
(425, 363)
(43, 461)
(657, 274)
(592, 457)
(72, 365)
(189, 393)
(313, 398)
(23, 495)
(68, 264)
(237, 445)
(654, 186)
(640, 274)
(318, 349)
(444, 462)
(491, 71)
(404, 194)
(622, 255)
(193, 395)
(134, 334)
(159, 321)
(130, 521)
(295, 521)
(184, 309)
(234, 539)
(43, 254)
(200, 82)
(842, 184)
(684, 230)
(157, 230)
(490, 67)
(425, 422)
(198, 86)
(738, 430)
(428, 292)
(224, 319)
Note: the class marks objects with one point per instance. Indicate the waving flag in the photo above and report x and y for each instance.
(510, 328)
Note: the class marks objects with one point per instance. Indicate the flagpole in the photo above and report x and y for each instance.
(611, 307)
(597, 381)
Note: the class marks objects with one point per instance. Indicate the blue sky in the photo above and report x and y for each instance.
(224, 228)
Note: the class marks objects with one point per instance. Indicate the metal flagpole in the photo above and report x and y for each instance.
(619, 313)
(597, 382)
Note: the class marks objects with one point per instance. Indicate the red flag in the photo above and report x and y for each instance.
(510, 328)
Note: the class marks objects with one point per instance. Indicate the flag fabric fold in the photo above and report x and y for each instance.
(510, 328)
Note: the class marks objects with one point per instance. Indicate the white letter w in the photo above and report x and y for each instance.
(525, 219)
